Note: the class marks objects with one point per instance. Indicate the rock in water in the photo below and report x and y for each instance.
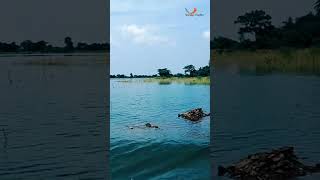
(148, 125)
(279, 164)
(194, 115)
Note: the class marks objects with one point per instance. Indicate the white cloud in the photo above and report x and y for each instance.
(206, 34)
(143, 34)
(127, 6)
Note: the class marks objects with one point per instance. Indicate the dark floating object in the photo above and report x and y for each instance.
(279, 164)
(148, 125)
(194, 115)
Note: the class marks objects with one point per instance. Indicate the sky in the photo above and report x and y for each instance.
(88, 20)
(147, 35)
(225, 12)
(53, 20)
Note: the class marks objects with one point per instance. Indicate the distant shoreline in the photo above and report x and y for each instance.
(89, 53)
(168, 80)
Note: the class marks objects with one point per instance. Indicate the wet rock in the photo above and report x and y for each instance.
(148, 125)
(279, 164)
(194, 115)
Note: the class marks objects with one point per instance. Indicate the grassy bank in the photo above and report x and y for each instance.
(266, 61)
(182, 80)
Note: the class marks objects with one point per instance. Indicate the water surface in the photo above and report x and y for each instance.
(179, 149)
(258, 112)
(52, 117)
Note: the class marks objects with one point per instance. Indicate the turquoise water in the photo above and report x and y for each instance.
(179, 149)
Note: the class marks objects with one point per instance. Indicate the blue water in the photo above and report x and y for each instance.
(53, 117)
(179, 149)
(254, 113)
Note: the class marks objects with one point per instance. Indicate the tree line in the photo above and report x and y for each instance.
(29, 46)
(189, 71)
(256, 31)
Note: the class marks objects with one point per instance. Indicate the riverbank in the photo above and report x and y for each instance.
(169, 80)
(184, 80)
(306, 61)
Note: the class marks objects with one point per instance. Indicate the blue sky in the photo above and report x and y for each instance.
(150, 34)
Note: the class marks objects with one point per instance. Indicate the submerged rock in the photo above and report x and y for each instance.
(279, 164)
(194, 115)
(148, 125)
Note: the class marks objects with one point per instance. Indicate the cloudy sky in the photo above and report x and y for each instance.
(150, 34)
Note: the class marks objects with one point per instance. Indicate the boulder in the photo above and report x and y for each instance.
(194, 114)
(279, 164)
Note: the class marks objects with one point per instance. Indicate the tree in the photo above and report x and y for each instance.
(68, 44)
(190, 69)
(131, 75)
(27, 45)
(289, 23)
(317, 7)
(40, 46)
(223, 43)
(204, 71)
(256, 23)
(164, 72)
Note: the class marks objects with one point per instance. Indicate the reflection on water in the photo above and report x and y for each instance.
(52, 117)
(178, 149)
(256, 113)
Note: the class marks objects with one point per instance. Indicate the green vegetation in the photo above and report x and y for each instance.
(293, 47)
(306, 61)
(192, 75)
(182, 80)
(44, 47)
(256, 31)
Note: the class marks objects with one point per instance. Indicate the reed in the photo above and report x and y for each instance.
(266, 61)
(180, 80)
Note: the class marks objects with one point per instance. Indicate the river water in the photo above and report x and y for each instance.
(258, 112)
(179, 149)
(53, 117)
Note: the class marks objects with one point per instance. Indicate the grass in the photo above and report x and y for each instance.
(180, 80)
(267, 61)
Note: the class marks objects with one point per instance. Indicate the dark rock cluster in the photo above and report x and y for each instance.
(148, 125)
(194, 115)
(279, 164)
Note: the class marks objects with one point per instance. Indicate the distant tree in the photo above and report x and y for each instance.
(27, 45)
(68, 44)
(121, 76)
(289, 23)
(179, 75)
(189, 70)
(256, 23)
(317, 7)
(223, 43)
(131, 75)
(9, 47)
(40, 46)
(82, 46)
(204, 71)
(164, 72)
